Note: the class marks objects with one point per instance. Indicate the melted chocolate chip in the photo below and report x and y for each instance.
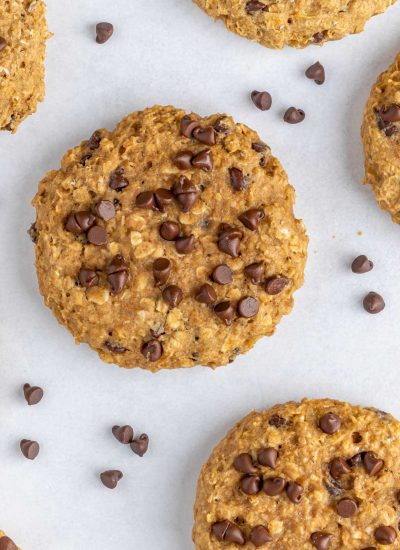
(88, 278)
(385, 534)
(338, 467)
(105, 210)
(321, 540)
(274, 486)
(185, 193)
(94, 141)
(118, 181)
(115, 347)
(97, 235)
(391, 113)
(183, 160)
(330, 423)
(145, 200)
(163, 197)
(253, 6)
(161, 271)
(205, 135)
(237, 179)
(275, 285)
(203, 160)
(277, 421)
(250, 485)
(152, 350)
(251, 218)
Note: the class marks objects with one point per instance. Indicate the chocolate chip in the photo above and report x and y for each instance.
(294, 116)
(115, 347)
(229, 239)
(222, 274)
(161, 270)
(118, 181)
(373, 303)
(277, 421)
(346, 508)
(355, 460)
(254, 6)
(124, 434)
(183, 160)
(140, 445)
(334, 488)
(294, 491)
(205, 135)
(117, 273)
(173, 295)
(255, 272)
(356, 437)
(251, 218)
(110, 478)
(226, 531)
(244, 463)
(250, 485)
(206, 295)
(385, 534)
(391, 114)
(88, 278)
(220, 127)
(390, 131)
(33, 233)
(84, 158)
(184, 245)
(170, 230)
(145, 200)
(80, 222)
(163, 198)
(225, 311)
(372, 463)
(262, 100)
(361, 265)
(259, 536)
(259, 147)
(237, 178)
(247, 307)
(94, 141)
(275, 285)
(152, 350)
(274, 486)
(97, 235)
(268, 457)
(105, 210)
(5, 542)
(338, 467)
(185, 193)
(203, 160)
(30, 449)
(104, 32)
(3, 43)
(321, 540)
(318, 37)
(316, 72)
(33, 394)
(330, 423)
(188, 125)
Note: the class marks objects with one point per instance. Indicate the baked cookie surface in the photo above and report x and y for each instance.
(298, 23)
(381, 138)
(6, 543)
(23, 34)
(170, 241)
(317, 474)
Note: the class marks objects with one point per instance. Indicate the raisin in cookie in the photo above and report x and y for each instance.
(6, 543)
(170, 241)
(381, 138)
(298, 23)
(23, 34)
(317, 474)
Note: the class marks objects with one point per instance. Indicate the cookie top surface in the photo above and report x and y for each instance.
(160, 249)
(298, 23)
(23, 34)
(317, 474)
(381, 138)
(6, 543)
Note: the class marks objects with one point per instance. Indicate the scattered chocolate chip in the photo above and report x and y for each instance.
(226, 531)
(110, 478)
(173, 295)
(117, 273)
(259, 536)
(170, 230)
(203, 160)
(355, 460)
(185, 245)
(237, 179)
(390, 131)
(124, 434)
(183, 160)
(84, 158)
(248, 307)
(188, 125)
(259, 147)
(338, 467)
(244, 463)
(330, 423)
(262, 100)
(5, 542)
(225, 311)
(346, 508)
(33, 233)
(104, 32)
(222, 274)
(220, 127)
(318, 37)
(163, 198)
(294, 491)
(316, 72)
(206, 295)
(79, 222)
(152, 350)
(33, 394)
(30, 449)
(3, 43)
(334, 488)
(145, 200)
(105, 210)
(274, 486)
(185, 193)
(277, 421)
(94, 141)
(391, 114)
(275, 285)
(321, 540)
(251, 218)
(250, 485)
(385, 534)
(97, 235)
(161, 270)
(229, 238)
(255, 272)
(140, 445)
(254, 6)
(356, 437)
(373, 303)
(88, 278)
(118, 181)
(115, 347)
(294, 116)
(361, 265)
(372, 463)
(268, 457)
(205, 135)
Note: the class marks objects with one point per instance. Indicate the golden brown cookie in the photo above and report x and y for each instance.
(23, 34)
(381, 138)
(298, 23)
(317, 474)
(6, 543)
(169, 242)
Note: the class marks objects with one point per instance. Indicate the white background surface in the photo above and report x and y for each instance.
(168, 51)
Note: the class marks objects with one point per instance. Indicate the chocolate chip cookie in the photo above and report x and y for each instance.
(317, 474)
(23, 34)
(170, 241)
(381, 138)
(6, 543)
(298, 23)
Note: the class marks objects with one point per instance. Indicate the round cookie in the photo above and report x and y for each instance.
(23, 34)
(298, 23)
(381, 137)
(170, 241)
(317, 474)
(6, 543)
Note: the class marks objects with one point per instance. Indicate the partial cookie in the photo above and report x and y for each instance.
(381, 137)
(298, 23)
(6, 543)
(169, 242)
(23, 34)
(317, 474)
